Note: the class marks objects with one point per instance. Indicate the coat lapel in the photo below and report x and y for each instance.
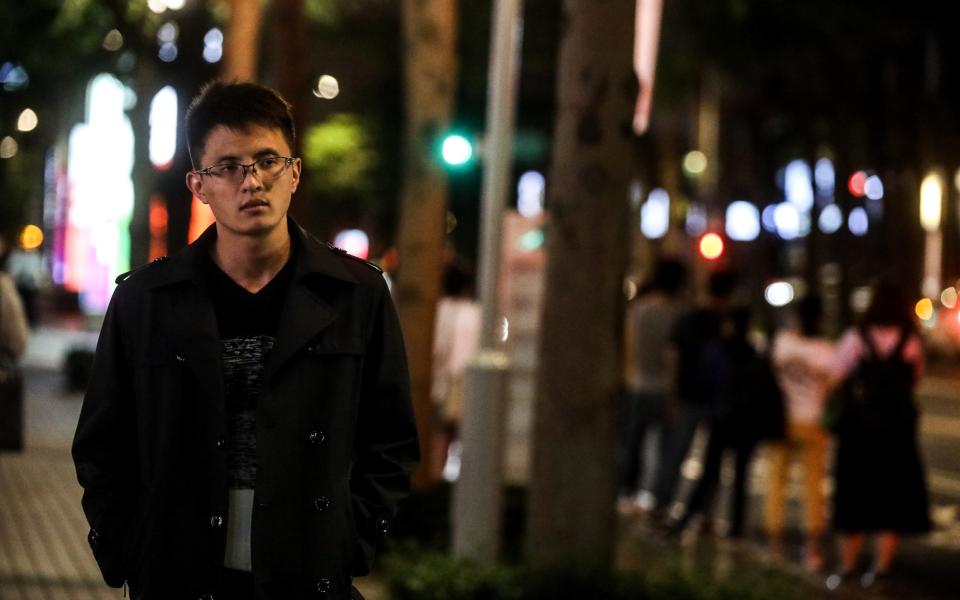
(305, 312)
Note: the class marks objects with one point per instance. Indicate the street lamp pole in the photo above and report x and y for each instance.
(477, 501)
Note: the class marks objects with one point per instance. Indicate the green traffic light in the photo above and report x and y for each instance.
(456, 150)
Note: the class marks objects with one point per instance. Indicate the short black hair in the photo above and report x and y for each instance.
(236, 106)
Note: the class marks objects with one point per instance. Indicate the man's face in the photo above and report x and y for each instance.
(253, 206)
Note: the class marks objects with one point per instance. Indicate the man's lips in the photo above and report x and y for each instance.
(254, 204)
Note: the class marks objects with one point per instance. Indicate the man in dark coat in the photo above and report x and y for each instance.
(247, 431)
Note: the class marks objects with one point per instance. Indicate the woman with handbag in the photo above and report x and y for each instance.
(880, 486)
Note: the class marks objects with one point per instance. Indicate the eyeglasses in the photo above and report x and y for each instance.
(267, 169)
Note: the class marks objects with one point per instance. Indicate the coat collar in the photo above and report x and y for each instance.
(305, 312)
(313, 258)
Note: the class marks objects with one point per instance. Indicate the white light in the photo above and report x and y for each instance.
(695, 162)
(157, 6)
(175, 4)
(787, 219)
(858, 222)
(327, 87)
(797, 185)
(766, 218)
(27, 120)
(530, 191)
(873, 188)
(696, 222)
(504, 330)
(168, 52)
(212, 54)
(456, 150)
(948, 297)
(8, 147)
(163, 127)
(655, 214)
(778, 293)
(168, 32)
(742, 221)
(214, 37)
(931, 201)
(824, 176)
(831, 219)
(354, 241)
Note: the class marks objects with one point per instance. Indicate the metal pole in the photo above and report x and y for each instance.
(477, 501)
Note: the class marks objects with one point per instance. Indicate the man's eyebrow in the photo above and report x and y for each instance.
(233, 158)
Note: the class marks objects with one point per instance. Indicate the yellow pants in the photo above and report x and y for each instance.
(810, 442)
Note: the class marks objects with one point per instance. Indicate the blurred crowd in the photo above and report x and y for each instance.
(790, 394)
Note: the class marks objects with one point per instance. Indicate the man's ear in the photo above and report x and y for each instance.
(195, 185)
(295, 169)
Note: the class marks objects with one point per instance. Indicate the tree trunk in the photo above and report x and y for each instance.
(576, 433)
(429, 40)
(242, 40)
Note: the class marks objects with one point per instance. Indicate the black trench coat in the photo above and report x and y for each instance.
(336, 439)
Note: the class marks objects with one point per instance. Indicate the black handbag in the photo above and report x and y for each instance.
(11, 404)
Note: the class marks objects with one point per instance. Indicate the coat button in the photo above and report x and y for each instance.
(383, 527)
(321, 504)
(316, 438)
(216, 521)
(221, 442)
(180, 358)
(323, 586)
(93, 538)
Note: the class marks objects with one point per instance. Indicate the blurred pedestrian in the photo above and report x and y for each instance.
(804, 368)
(14, 332)
(650, 319)
(696, 372)
(247, 430)
(735, 373)
(456, 339)
(880, 485)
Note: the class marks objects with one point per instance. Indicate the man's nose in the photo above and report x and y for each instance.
(250, 171)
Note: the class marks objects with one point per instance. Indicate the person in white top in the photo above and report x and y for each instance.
(803, 364)
(456, 339)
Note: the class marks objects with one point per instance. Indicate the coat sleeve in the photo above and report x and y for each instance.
(386, 445)
(104, 448)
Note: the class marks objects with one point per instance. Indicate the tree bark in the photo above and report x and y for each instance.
(429, 40)
(573, 480)
(242, 41)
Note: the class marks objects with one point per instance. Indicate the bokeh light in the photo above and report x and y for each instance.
(797, 185)
(8, 147)
(113, 41)
(873, 188)
(824, 176)
(530, 192)
(931, 202)
(655, 214)
(163, 128)
(213, 45)
(31, 238)
(696, 221)
(328, 88)
(831, 219)
(924, 309)
(948, 297)
(742, 221)
(856, 184)
(778, 293)
(787, 220)
(456, 149)
(711, 246)
(695, 163)
(27, 121)
(857, 222)
(354, 241)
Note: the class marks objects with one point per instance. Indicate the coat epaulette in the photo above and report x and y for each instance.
(343, 252)
(131, 272)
